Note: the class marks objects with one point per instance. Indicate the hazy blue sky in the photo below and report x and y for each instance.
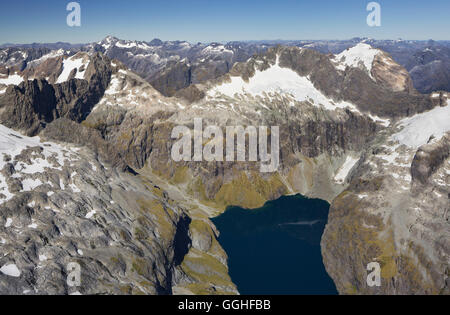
(26, 21)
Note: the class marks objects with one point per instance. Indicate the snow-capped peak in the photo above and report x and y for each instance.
(360, 56)
(112, 41)
(216, 49)
(108, 42)
(110, 38)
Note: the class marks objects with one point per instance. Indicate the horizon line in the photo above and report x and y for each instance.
(224, 42)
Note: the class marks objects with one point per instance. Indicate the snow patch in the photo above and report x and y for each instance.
(11, 270)
(74, 188)
(90, 214)
(8, 222)
(13, 79)
(69, 65)
(418, 129)
(345, 169)
(382, 121)
(30, 184)
(114, 86)
(33, 226)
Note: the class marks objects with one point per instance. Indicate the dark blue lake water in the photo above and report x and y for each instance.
(276, 249)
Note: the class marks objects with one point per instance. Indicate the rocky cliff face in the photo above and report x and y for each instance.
(390, 74)
(353, 132)
(395, 212)
(32, 104)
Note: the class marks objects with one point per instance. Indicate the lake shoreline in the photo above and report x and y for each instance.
(260, 243)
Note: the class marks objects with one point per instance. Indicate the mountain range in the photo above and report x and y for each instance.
(174, 65)
(87, 174)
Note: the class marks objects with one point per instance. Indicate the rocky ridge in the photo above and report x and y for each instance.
(173, 65)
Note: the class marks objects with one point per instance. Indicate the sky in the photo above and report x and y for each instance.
(44, 21)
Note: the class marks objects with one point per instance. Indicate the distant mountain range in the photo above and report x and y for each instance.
(171, 66)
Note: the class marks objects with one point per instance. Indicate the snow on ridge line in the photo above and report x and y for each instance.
(279, 80)
(353, 56)
(13, 79)
(285, 80)
(216, 50)
(127, 45)
(418, 129)
(52, 54)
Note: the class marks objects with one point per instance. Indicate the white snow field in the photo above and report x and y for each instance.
(10, 270)
(419, 128)
(69, 65)
(13, 79)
